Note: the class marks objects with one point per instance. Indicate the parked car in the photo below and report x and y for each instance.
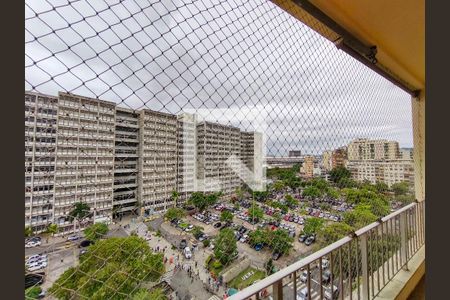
(37, 266)
(326, 277)
(309, 240)
(85, 243)
(304, 276)
(329, 296)
(302, 238)
(73, 237)
(258, 247)
(276, 255)
(325, 263)
(34, 279)
(302, 294)
(244, 238)
(217, 225)
(187, 253)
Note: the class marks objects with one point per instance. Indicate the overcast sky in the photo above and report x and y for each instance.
(249, 60)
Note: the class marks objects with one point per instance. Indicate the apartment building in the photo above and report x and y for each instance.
(187, 156)
(126, 161)
(326, 160)
(307, 169)
(85, 157)
(295, 153)
(339, 158)
(365, 149)
(387, 171)
(215, 144)
(157, 160)
(40, 155)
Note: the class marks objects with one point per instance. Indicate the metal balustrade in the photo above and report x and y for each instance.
(355, 267)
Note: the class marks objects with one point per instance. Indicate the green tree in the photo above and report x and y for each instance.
(225, 246)
(175, 195)
(400, 188)
(255, 213)
(259, 236)
(291, 201)
(312, 225)
(333, 193)
(28, 231)
(332, 232)
(96, 231)
(269, 267)
(280, 241)
(277, 216)
(360, 216)
(197, 231)
(339, 173)
(312, 191)
(174, 213)
(278, 185)
(405, 199)
(106, 273)
(226, 216)
(198, 199)
(79, 212)
(260, 195)
(239, 193)
(381, 187)
(154, 294)
(296, 168)
(33, 292)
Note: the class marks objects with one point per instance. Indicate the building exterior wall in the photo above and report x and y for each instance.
(187, 156)
(157, 161)
(85, 157)
(307, 169)
(40, 155)
(215, 144)
(326, 160)
(387, 171)
(365, 149)
(295, 153)
(338, 158)
(126, 161)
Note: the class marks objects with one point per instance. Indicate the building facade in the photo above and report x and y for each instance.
(40, 159)
(339, 158)
(387, 171)
(295, 153)
(157, 160)
(215, 144)
(126, 161)
(118, 161)
(187, 156)
(365, 149)
(307, 169)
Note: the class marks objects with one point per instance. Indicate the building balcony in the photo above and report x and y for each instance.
(378, 261)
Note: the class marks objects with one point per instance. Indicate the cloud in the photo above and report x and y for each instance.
(246, 58)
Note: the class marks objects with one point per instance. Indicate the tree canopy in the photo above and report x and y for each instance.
(312, 225)
(202, 201)
(255, 213)
(360, 216)
(111, 269)
(332, 232)
(154, 294)
(226, 216)
(80, 210)
(225, 246)
(174, 213)
(96, 231)
(400, 188)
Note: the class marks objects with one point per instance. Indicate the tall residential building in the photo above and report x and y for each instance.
(326, 160)
(126, 161)
(215, 144)
(307, 169)
(85, 157)
(406, 153)
(157, 160)
(251, 155)
(295, 153)
(387, 171)
(365, 149)
(338, 158)
(187, 156)
(40, 154)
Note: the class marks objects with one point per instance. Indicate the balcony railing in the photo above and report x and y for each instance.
(355, 267)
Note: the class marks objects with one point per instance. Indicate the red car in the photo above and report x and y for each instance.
(286, 217)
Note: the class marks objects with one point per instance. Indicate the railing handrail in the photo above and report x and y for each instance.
(276, 277)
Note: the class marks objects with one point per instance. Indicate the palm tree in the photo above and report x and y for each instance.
(175, 196)
(28, 231)
(80, 211)
(51, 229)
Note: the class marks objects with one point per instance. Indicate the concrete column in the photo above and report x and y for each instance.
(418, 119)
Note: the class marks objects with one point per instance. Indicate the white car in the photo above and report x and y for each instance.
(73, 237)
(244, 238)
(304, 276)
(34, 259)
(37, 266)
(32, 244)
(189, 228)
(187, 253)
(302, 294)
